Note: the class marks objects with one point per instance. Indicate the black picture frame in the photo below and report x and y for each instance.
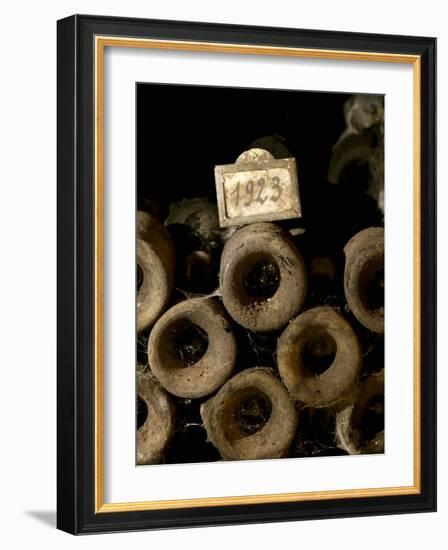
(76, 511)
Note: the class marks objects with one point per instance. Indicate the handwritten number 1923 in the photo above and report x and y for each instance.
(253, 192)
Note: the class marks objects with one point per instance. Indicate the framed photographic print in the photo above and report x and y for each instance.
(246, 274)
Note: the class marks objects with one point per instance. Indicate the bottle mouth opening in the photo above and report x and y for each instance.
(189, 343)
(141, 412)
(374, 294)
(253, 412)
(140, 276)
(262, 279)
(372, 421)
(318, 352)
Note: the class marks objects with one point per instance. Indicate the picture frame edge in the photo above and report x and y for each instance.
(75, 226)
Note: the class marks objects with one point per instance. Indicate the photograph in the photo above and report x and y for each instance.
(246, 263)
(259, 274)
(220, 227)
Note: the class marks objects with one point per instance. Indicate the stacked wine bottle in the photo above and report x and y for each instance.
(249, 348)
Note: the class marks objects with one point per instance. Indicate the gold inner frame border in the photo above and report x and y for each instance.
(101, 42)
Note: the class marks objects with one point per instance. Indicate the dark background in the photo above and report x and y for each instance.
(184, 131)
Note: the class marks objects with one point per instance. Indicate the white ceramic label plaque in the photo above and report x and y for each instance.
(264, 189)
